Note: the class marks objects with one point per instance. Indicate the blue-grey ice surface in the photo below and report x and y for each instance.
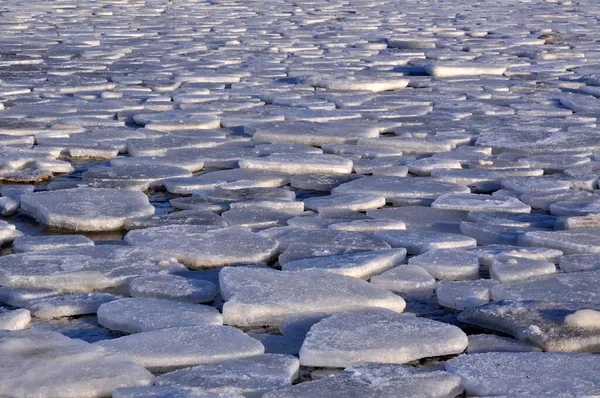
(326, 198)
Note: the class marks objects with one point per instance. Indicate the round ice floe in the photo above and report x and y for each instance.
(170, 349)
(173, 287)
(464, 294)
(550, 325)
(86, 209)
(321, 182)
(377, 379)
(359, 264)
(82, 269)
(250, 377)
(185, 217)
(346, 240)
(316, 134)
(583, 240)
(356, 201)
(510, 269)
(473, 202)
(527, 374)
(400, 188)
(305, 163)
(448, 264)
(68, 305)
(581, 287)
(417, 242)
(257, 297)
(151, 175)
(479, 343)
(232, 179)
(405, 279)
(205, 247)
(142, 314)
(357, 83)
(48, 364)
(51, 242)
(584, 319)
(378, 335)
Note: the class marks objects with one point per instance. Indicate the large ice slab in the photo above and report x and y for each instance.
(378, 335)
(82, 269)
(527, 374)
(359, 264)
(547, 324)
(170, 349)
(143, 314)
(205, 247)
(48, 364)
(250, 377)
(257, 297)
(305, 163)
(377, 380)
(172, 287)
(86, 209)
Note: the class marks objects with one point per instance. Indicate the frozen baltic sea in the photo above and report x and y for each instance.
(299, 199)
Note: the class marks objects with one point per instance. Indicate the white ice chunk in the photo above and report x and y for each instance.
(378, 335)
(359, 265)
(354, 201)
(68, 305)
(257, 297)
(575, 241)
(377, 380)
(173, 287)
(464, 294)
(250, 377)
(510, 269)
(143, 314)
(170, 349)
(417, 242)
(50, 242)
(474, 202)
(86, 209)
(48, 364)
(82, 269)
(406, 279)
(305, 163)
(479, 343)
(205, 247)
(581, 287)
(532, 374)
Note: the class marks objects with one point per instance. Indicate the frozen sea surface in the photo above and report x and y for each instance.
(327, 198)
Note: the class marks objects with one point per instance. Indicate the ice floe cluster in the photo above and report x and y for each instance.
(325, 198)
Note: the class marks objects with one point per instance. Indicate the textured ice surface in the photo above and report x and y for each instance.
(86, 209)
(377, 380)
(82, 269)
(405, 279)
(417, 242)
(464, 294)
(169, 349)
(48, 364)
(550, 325)
(166, 392)
(479, 343)
(256, 297)
(205, 247)
(527, 374)
(378, 335)
(52, 242)
(14, 319)
(299, 141)
(448, 264)
(359, 264)
(575, 287)
(142, 314)
(250, 377)
(172, 287)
